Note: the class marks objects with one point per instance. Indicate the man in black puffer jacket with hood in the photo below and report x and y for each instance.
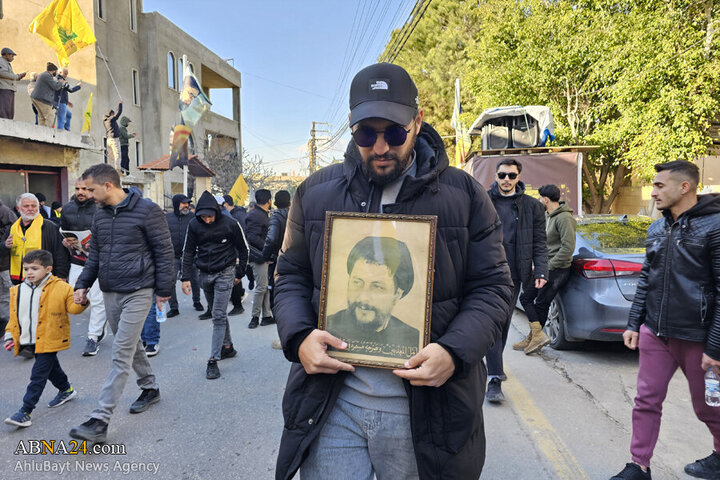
(131, 255)
(431, 423)
(222, 256)
(178, 221)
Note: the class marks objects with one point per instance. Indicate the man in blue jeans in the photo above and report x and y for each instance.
(150, 335)
(222, 254)
(63, 114)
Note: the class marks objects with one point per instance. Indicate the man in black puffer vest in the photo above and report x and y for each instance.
(431, 423)
(178, 221)
(132, 257)
(222, 255)
(78, 215)
(524, 239)
(274, 239)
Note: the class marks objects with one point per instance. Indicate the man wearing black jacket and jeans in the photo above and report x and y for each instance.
(675, 315)
(427, 418)
(524, 239)
(132, 258)
(222, 255)
(178, 221)
(258, 223)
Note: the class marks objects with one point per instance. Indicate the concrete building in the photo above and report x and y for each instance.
(143, 52)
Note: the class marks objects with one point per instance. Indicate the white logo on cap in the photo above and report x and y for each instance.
(379, 85)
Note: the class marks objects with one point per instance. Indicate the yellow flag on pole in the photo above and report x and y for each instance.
(63, 27)
(87, 115)
(239, 191)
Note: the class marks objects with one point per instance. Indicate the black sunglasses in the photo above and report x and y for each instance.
(502, 175)
(395, 135)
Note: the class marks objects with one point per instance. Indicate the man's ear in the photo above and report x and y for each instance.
(399, 292)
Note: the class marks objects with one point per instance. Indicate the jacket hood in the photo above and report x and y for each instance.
(176, 201)
(124, 121)
(706, 205)
(207, 202)
(519, 190)
(564, 207)
(430, 158)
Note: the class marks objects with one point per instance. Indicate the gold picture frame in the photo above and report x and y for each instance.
(377, 283)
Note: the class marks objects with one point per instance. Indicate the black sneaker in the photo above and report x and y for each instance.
(91, 348)
(152, 350)
(228, 351)
(708, 467)
(173, 312)
(494, 391)
(19, 419)
(237, 310)
(198, 306)
(212, 371)
(62, 397)
(27, 351)
(632, 471)
(267, 321)
(253, 323)
(205, 316)
(146, 398)
(102, 334)
(94, 430)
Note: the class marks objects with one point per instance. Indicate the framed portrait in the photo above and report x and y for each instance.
(377, 283)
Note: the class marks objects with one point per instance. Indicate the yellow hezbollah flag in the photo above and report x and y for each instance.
(64, 28)
(87, 115)
(239, 191)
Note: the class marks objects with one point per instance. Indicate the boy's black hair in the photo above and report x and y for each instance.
(43, 257)
(262, 196)
(687, 170)
(509, 161)
(550, 191)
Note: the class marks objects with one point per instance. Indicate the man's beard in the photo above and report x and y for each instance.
(396, 171)
(29, 217)
(377, 322)
(184, 211)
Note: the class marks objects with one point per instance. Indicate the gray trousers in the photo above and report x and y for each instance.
(126, 313)
(218, 287)
(261, 294)
(5, 285)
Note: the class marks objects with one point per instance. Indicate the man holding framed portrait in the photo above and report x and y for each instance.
(390, 251)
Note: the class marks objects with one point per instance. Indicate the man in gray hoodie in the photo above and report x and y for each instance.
(43, 94)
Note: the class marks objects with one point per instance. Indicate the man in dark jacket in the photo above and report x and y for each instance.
(132, 257)
(77, 215)
(61, 101)
(274, 239)
(112, 133)
(432, 424)
(222, 255)
(32, 232)
(240, 214)
(178, 221)
(675, 315)
(125, 145)
(523, 225)
(43, 94)
(7, 218)
(258, 224)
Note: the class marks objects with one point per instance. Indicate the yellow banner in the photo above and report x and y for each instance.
(239, 191)
(64, 28)
(87, 115)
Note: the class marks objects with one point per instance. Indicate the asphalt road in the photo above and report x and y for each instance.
(567, 414)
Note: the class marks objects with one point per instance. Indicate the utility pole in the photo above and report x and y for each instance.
(312, 145)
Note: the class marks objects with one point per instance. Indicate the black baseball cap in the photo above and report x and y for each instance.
(383, 91)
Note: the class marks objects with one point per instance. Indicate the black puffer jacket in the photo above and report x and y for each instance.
(276, 233)
(217, 245)
(678, 291)
(257, 225)
(178, 225)
(471, 296)
(240, 214)
(7, 218)
(131, 249)
(530, 236)
(78, 216)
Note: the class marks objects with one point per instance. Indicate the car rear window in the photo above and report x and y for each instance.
(616, 237)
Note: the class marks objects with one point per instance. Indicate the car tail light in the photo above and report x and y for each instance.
(602, 267)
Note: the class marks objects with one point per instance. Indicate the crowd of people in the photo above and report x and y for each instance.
(492, 247)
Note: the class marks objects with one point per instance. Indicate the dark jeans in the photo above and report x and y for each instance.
(7, 104)
(237, 294)
(494, 356)
(124, 158)
(271, 284)
(46, 367)
(537, 302)
(218, 287)
(194, 285)
(151, 330)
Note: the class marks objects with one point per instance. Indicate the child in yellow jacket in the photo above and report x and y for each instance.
(39, 322)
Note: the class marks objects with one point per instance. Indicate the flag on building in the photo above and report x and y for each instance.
(63, 27)
(462, 136)
(193, 104)
(239, 191)
(87, 116)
